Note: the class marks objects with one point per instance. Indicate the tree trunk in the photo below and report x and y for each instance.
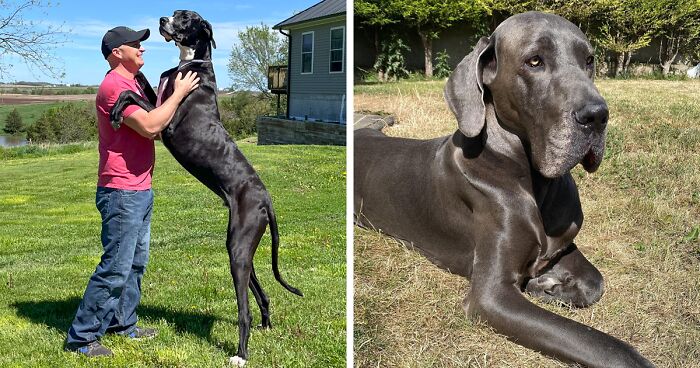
(628, 58)
(620, 64)
(428, 51)
(377, 50)
(668, 54)
(666, 68)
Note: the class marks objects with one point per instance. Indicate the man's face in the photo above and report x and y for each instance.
(131, 55)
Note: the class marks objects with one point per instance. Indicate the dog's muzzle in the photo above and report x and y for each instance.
(166, 28)
(595, 117)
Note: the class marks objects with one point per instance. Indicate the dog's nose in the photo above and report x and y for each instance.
(163, 20)
(592, 114)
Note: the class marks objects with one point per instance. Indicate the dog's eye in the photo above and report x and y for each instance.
(590, 60)
(535, 62)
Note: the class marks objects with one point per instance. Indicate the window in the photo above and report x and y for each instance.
(307, 53)
(337, 49)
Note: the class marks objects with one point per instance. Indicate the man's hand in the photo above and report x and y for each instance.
(185, 85)
(150, 124)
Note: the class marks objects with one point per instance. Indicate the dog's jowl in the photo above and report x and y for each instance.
(503, 208)
(199, 142)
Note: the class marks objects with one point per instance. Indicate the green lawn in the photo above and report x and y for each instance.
(49, 246)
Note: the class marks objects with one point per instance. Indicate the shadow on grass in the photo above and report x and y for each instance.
(58, 314)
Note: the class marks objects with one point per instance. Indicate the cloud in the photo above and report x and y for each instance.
(226, 33)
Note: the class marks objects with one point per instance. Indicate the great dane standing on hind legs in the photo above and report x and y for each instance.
(495, 202)
(199, 142)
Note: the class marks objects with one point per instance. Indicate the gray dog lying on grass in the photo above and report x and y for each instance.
(495, 202)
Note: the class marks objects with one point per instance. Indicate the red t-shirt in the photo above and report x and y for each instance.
(126, 158)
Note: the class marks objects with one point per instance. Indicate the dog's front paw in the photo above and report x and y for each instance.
(116, 120)
(236, 361)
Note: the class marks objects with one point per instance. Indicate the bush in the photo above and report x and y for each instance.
(391, 62)
(239, 112)
(442, 65)
(73, 122)
(13, 123)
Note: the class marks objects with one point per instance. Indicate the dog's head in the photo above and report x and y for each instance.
(537, 71)
(191, 33)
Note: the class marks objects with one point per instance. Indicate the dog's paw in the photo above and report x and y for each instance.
(265, 324)
(116, 121)
(236, 361)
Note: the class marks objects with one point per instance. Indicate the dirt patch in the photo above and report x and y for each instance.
(18, 99)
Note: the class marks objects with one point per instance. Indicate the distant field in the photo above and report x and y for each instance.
(30, 112)
(46, 90)
(22, 99)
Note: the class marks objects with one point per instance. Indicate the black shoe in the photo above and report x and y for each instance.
(142, 333)
(93, 349)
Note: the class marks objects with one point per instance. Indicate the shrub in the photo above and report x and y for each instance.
(391, 63)
(72, 122)
(239, 112)
(442, 65)
(13, 123)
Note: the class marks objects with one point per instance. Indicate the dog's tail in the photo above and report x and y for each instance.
(275, 252)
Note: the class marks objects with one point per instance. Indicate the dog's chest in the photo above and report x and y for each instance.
(161, 89)
(555, 245)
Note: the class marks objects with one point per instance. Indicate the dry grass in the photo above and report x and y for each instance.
(642, 212)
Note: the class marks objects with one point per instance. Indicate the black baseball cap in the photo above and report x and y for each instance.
(118, 36)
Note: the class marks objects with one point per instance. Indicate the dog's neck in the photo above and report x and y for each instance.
(186, 53)
(202, 52)
(184, 63)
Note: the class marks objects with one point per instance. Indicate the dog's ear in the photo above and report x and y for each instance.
(209, 32)
(464, 91)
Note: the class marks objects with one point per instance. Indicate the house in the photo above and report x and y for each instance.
(317, 62)
(315, 79)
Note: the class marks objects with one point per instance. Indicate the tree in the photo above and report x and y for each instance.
(677, 23)
(70, 122)
(28, 40)
(586, 14)
(376, 15)
(258, 48)
(13, 123)
(430, 17)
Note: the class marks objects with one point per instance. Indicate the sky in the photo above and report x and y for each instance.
(87, 21)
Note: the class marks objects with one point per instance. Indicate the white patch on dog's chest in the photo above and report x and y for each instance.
(186, 53)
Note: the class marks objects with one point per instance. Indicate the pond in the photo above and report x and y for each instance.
(12, 141)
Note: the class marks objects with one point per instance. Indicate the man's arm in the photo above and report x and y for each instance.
(150, 123)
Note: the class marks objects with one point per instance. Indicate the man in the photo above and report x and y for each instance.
(124, 197)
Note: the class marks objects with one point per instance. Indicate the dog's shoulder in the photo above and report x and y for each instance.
(168, 73)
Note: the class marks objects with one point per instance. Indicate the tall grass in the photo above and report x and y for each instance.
(642, 220)
(49, 246)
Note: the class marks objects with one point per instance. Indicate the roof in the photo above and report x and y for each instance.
(324, 9)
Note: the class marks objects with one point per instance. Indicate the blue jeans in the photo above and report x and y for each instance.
(114, 290)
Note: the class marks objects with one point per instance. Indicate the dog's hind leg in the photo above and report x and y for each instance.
(246, 228)
(262, 299)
